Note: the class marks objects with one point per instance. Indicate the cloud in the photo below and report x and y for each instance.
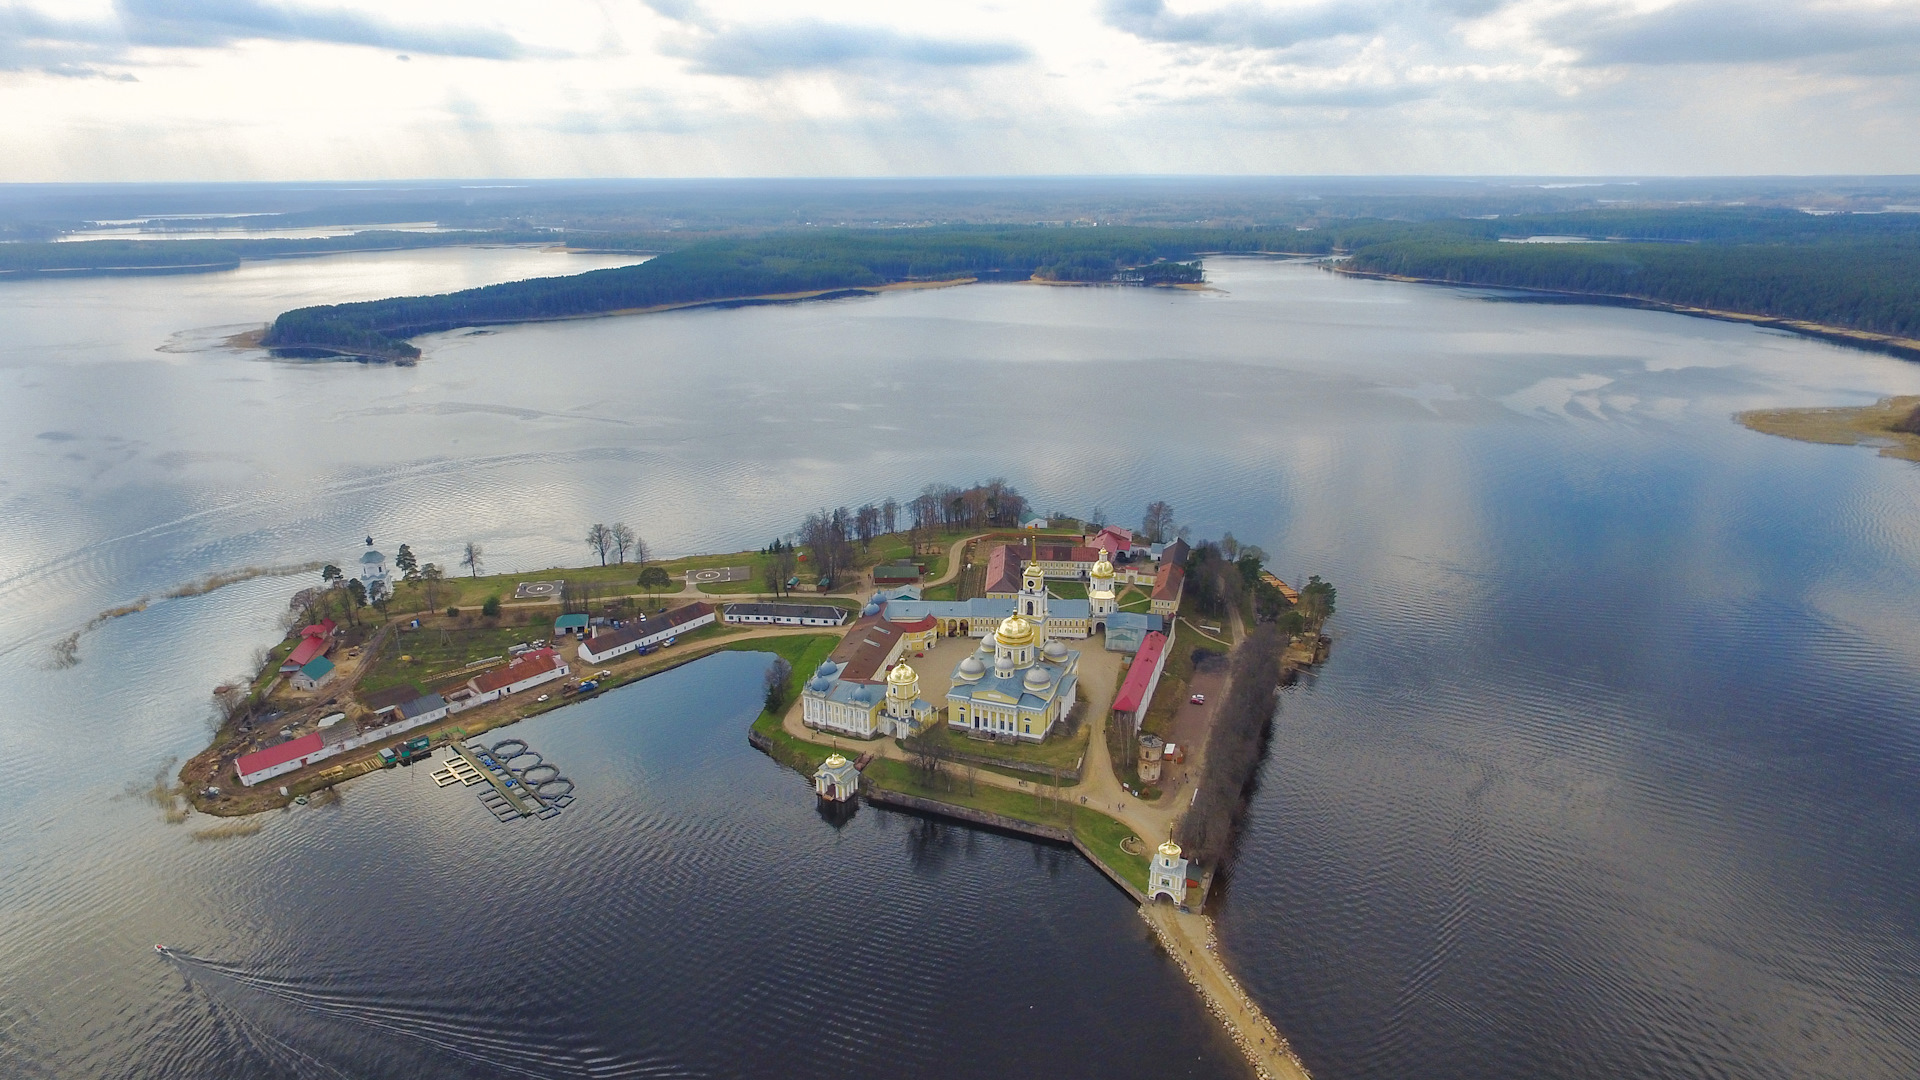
(1739, 32)
(211, 23)
(31, 40)
(809, 44)
(1248, 25)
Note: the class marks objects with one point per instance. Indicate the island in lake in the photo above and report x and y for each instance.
(1072, 681)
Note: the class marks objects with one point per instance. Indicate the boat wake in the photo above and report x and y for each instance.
(234, 993)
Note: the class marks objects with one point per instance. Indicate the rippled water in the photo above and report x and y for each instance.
(1610, 773)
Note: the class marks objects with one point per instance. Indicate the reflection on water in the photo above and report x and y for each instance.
(1611, 773)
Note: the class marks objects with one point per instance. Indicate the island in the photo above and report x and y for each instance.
(1074, 681)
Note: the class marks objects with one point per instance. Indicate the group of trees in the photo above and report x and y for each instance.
(619, 541)
(946, 508)
(1234, 748)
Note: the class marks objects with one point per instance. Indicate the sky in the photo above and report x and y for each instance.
(107, 90)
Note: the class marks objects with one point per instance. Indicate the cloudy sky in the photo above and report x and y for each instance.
(344, 89)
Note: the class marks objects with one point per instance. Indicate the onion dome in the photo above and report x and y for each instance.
(971, 668)
(870, 609)
(1037, 679)
(1014, 632)
(826, 668)
(901, 675)
(372, 558)
(1102, 568)
(1055, 650)
(835, 761)
(1169, 850)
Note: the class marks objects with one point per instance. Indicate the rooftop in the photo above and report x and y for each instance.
(279, 755)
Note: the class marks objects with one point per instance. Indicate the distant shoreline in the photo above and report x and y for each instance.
(1905, 348)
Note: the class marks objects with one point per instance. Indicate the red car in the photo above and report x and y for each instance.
(1197, 699)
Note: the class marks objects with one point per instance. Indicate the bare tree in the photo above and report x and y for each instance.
(472, 559)
(623, 540)
(600, 539)
(1158, 524)
(866, 524)
(928, 756)
(890, 515)
(638, 551)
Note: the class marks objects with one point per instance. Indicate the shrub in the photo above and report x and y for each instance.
(491, 609)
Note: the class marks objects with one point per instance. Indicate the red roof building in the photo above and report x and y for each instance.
(306, 652)
(323, 628)
(274, 760)
(1115, 539)
(528, 668)
(1168, 582)
(1136, 693)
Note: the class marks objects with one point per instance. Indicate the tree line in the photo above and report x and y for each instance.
(106, 256)
(1235, 746)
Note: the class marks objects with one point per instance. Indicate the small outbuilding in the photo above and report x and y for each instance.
(312, 674)
(570, 624)
(836, 780)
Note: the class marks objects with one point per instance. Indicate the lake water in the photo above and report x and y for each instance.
(1611, 772)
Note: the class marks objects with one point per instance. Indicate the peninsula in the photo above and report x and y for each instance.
(1892, 424)
(1073, 681)
(778, 267)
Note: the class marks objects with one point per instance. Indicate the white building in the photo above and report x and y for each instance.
(787, 614)
(837, 780)
(1168, 874)
(373, 574)
(645, 634)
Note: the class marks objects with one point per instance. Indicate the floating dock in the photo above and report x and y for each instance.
(519, 783)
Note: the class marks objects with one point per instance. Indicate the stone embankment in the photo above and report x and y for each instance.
(1188, 938)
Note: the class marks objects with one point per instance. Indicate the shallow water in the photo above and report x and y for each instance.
(1610, 772)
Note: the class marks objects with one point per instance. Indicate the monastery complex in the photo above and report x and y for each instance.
(1023, 679)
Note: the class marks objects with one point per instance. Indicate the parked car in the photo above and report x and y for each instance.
(1198, 699)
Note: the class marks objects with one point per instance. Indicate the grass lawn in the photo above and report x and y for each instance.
(1103, 835)
(949, 591)
(805, 652)
(1060, 752)
(1067, 590)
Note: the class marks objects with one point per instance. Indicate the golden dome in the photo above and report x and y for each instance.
(901, 675)
(835, 761)
(1015, 631)
(1170, 850)
(1103, 568)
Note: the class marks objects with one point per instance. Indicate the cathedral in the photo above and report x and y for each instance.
(1020, 681)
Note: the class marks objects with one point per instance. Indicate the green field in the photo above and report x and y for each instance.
(804, 652)
(1057, 752)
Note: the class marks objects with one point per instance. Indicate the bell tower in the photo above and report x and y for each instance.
(1033, 593)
